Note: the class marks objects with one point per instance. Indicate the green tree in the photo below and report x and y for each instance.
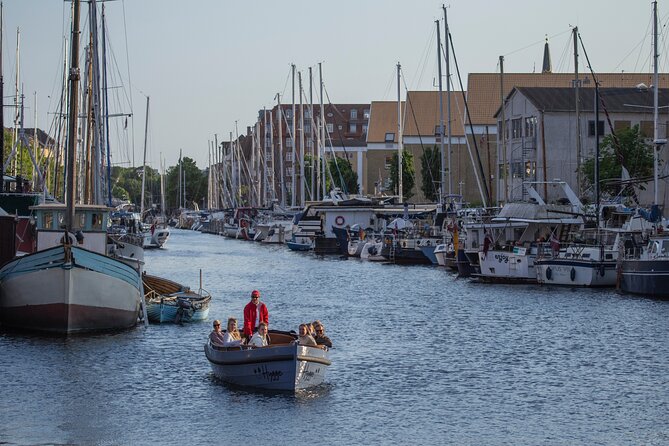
(408, 174)
(345, 178)
(632, 152)
(195, 181)
(430, 163)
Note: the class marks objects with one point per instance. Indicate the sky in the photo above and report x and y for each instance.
(208, 66)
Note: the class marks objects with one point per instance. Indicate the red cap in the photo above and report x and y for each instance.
(255, 293)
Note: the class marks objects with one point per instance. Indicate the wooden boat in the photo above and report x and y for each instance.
(168, 301)
(284, 365)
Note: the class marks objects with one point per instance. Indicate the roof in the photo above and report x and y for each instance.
(483, 89)
(382, 119)
(422, 116)
(621, 100)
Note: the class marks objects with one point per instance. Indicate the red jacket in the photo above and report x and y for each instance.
(250, 316)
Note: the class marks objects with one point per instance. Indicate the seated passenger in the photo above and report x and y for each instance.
(259, 338)
(216, 335)
(321, 338)
(304, 338)
(232, 337)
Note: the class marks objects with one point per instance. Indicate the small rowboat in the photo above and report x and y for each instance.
(283, 365)
(168, 301)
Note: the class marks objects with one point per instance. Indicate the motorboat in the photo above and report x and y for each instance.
(168, 301)
(284, 365)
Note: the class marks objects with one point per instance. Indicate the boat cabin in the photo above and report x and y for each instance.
(89, 232)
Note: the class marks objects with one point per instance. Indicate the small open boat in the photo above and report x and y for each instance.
(168, 301)
(283, 365)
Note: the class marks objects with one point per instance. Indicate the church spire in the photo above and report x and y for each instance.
(547, 59)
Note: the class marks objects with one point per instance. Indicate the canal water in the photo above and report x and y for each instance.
(420, 357)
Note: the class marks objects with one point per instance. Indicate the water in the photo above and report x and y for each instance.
(421, 358)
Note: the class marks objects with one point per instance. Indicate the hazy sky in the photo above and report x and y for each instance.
(208, 63)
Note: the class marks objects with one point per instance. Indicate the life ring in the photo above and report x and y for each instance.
(572, 274)
(243, 223)
(549, 273)
(339, 221)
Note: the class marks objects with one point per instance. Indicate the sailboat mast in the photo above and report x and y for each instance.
(279, 118)
(146, 133)
(502, 129)
(577, 84)
(399, 136)
(72, 124)
(322, 130)
(448, 98)
(441, 118)
(303, 184)
(293, 141)
(656, 140)
(2, 106)
(311, 135)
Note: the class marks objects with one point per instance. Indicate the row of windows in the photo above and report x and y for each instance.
(519, 127)
(307, 113)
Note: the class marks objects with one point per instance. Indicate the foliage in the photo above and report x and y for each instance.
(195, 185)
(408, 174)
(632, 152)
(343, 175)
(430, 163)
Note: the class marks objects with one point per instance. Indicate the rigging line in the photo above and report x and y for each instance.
(341, 140)
(389, 84)
(487, 197)
(643, 42)
(413, 114)
(132, 108)
(634, 49)
(535, 43)
(420, 70)
(564, 56)
(285, 85)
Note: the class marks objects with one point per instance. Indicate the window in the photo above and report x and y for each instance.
(621, 125)
(389, 161)
(307, 114)
(646, 129)
(516, 128)
(340, 127)
(438, 130)
(289, 156)
(289, 113)
(96, 221)
(530, 126)
(390, 137)
(591, 128)
(307, 128)
(352, 127)
(48, 220)
(289, 141)
(354, 113)
(330, 128)
(310, 143)
(365, 113)
(289, 171)
(364, 129)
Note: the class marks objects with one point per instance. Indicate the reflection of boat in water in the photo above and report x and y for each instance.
(168, 301)
(283, 365)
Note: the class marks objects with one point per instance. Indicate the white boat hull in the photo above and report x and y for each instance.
(285, 367)
(92, 293)
(576, 273)
(505, 266)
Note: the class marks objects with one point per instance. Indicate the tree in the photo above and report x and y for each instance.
(345, 178)
(632, 152)
(408, 174)
(195, 181)
(431, 171)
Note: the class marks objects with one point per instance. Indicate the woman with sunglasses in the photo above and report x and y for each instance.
(216, 335)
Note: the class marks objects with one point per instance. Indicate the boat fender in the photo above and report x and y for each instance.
(427, 243)
(404, 244)
(549, 273)
(572, 274)
(372, 250)
(602, 270)
(418, 243)
(339, 220)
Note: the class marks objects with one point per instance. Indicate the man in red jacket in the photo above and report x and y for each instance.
(255, 312)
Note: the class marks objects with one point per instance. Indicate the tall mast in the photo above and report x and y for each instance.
(448, 99)
(656, 80)
(2, 112)
(279, 118)
(441, 117)
(293, 140)
(105, 99)
(503, 132)
(322, 130)
(146, 134)
(577, 84)
(311, 135)
(72, 123)
(399, 136)
(303, 184)
(17, 111)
